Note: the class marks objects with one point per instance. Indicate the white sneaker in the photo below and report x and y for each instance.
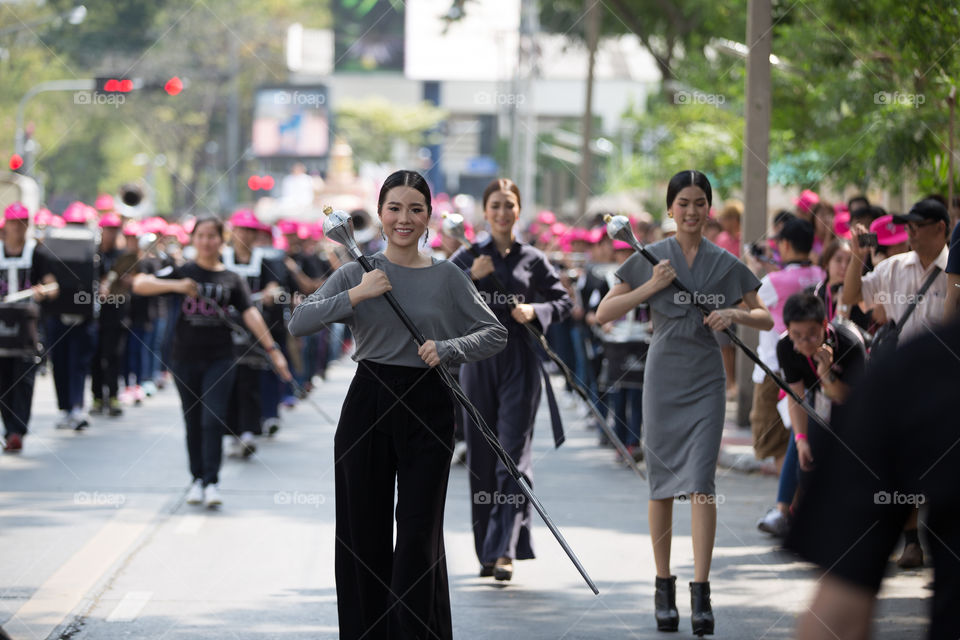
(195, 494)
(65, 422)
(774, 523)
(234, 448)
(247, 444)
(211, 497)
(149, 388)
(271, 426)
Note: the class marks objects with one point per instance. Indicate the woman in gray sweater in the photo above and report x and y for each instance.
(396, 425)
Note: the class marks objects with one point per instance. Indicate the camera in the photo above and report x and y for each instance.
(867, 240)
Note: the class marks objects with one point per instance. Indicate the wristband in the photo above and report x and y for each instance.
(800, 436)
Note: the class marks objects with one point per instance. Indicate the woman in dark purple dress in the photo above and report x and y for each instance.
(506, 388)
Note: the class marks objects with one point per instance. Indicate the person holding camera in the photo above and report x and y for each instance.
(684, 397)
(895, 284)
(203, 364)
(506, 388)
(819, 360)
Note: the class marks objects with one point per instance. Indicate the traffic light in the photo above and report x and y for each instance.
(173, 86)
(258, 183)
(108, 85)
(15, 162)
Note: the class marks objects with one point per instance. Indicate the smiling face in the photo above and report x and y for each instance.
(690, 210)
(404, 216)
(501, 212)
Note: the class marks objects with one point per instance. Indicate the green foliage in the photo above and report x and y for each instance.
(370, 125)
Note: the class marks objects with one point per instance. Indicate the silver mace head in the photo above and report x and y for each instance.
(453, 226)
(339, 227)
(618, 228)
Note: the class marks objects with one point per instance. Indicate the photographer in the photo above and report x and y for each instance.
(819, 360)
(895, 284)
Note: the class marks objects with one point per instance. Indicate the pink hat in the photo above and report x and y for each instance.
(841, 222)
(43, 217)
(57, 222)
(244, 219)
(806, 200)
(263, 226)
(16, 211)
(545, 237)
(316, 230)
(189, 224)
(155, 225)
(76, 213)
(620, 244)
(104, 202)
(132, 228)
(280, 242)
(288, 227)
(109, 221)
(595, 235)
(558, 228)
(178, 232)
(887, 232)
(436, 241)
(546, 217)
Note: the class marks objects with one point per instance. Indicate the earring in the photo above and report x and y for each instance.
(669, 214)
(382, 235)
(426, 237)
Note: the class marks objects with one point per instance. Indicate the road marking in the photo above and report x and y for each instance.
(63, 591)
(130, 607)
(190, 525)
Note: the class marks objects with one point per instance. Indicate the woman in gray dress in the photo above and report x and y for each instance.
(683, 398)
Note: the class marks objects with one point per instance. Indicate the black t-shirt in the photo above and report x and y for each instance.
(849, 357)
(312, 265)
(899, 447)
(273, 270)
(145, 309)
(953, 259)
(29, 272)
(201, 333)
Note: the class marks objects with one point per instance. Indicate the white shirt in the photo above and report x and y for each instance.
(894, 284)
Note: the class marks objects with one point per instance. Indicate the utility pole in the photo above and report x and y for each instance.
(756, 154)
(592, 24)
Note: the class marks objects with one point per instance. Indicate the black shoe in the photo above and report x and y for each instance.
(701, 615)
(665, 604)
(486, 570)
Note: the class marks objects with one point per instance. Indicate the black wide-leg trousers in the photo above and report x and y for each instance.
(395, 430)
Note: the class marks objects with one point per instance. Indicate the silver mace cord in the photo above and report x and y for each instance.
(453, 226)
(618, 228)
(339, 228)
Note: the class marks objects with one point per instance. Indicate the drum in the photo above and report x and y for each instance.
(18, 329)
(623, 365)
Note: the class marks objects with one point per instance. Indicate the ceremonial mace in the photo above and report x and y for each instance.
(618, 228)
(339, 227)
(453, 227)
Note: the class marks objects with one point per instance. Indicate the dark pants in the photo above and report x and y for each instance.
(16, 393)
(243, 411)
(396, 428)
(71, 348)
(506, 391)
(204, 387)
(105, 366)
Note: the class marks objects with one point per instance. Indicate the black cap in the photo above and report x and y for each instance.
(798, 232)
(928, 209)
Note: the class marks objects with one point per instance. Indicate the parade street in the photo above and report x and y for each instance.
(96, 541)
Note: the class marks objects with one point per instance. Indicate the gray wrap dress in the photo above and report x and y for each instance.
(683, 395)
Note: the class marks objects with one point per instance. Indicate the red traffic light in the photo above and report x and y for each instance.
(257, 183)
(15, 162)
(114, 85)
(173, 86)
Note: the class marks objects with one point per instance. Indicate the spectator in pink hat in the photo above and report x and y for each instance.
(804, 204)
(729, 219)
(104, 203)
(841, 221)
(892, 238)
(29, 263)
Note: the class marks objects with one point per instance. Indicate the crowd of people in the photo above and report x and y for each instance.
(244, 317)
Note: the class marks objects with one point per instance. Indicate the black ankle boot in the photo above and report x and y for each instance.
(665, 604)
(701, 615)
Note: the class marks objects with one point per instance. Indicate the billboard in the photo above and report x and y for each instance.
(368, 35)
(291, 122)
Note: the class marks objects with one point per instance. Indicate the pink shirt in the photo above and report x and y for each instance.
(729, 242)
